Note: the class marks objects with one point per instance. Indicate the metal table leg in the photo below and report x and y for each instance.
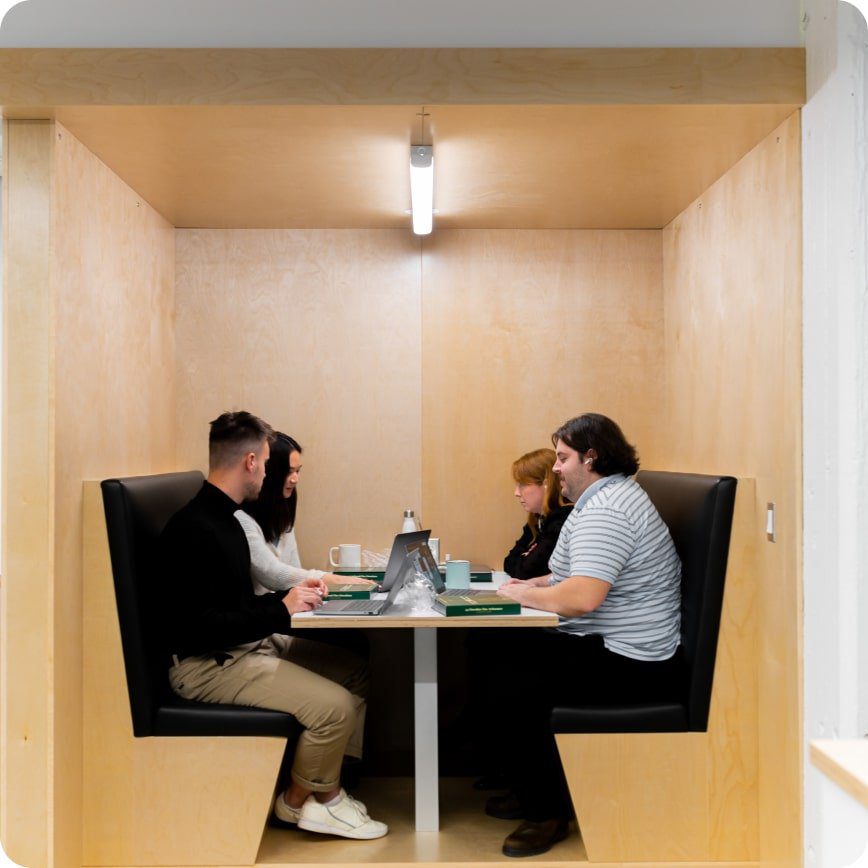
(425, 710)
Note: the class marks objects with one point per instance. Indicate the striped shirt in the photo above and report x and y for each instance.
(614, 533)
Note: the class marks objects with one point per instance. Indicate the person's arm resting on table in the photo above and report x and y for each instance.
(594, 567)
(574, 596)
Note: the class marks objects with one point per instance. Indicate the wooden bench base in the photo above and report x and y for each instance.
(684, 796)
(157, 801)
(654, 797)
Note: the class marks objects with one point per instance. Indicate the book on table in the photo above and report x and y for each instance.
(481, 573)
(374, 575)
(350, 591)
(456, 603)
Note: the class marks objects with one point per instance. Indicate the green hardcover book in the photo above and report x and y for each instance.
(349, 592)
(475, 603)
(481, 573)
(373, 575)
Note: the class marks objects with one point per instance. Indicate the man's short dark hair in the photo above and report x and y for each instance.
(234, 435)
(600, 433)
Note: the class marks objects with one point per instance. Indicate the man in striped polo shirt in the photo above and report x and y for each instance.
(615, 582)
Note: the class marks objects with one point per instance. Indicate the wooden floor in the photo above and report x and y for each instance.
(466, 836)
(466, 833)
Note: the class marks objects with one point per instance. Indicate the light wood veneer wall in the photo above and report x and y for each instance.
(522, 330)
(318, 332)
(732, 278)
(397, 405)
(92, 397)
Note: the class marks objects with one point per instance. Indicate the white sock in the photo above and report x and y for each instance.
(332, 802)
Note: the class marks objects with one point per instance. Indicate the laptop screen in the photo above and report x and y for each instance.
(399, 553)
(400, 578)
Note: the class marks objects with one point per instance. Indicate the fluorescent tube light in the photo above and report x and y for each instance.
(422, 187)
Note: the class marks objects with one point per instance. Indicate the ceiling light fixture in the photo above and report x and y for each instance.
(422, 188)
(422, 180)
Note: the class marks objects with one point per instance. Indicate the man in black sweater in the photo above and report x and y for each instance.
(228, 645)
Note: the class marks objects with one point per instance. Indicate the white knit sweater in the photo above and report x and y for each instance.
(273, 568)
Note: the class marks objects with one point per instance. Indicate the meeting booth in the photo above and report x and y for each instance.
(190, 231)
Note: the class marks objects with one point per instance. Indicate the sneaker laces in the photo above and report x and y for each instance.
(353, 801)
(361, 815)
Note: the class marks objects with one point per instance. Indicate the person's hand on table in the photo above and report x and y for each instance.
(538, 582)
(304, 597)
(332, 579)
(318, 585)
(516, 589)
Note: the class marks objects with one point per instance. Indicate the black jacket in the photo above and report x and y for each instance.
(207, 596)
(529, 557)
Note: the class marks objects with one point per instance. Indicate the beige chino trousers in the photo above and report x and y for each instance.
(324, 687)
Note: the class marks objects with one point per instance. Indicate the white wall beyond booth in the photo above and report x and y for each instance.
(835, 369)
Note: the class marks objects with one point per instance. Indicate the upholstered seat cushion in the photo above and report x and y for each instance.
(662, 717)
(176, 716)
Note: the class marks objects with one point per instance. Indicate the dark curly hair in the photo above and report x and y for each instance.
(600, 433)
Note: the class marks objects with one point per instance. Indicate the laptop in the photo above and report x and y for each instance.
(399, 554)
(423, 560)
(368, 607)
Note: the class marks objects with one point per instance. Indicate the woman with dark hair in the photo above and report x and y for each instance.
(269, 524)
(539, 493)
(615, 583)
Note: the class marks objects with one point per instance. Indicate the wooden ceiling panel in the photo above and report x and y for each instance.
(512, 166)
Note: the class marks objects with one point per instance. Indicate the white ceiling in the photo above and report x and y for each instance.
(400, 23)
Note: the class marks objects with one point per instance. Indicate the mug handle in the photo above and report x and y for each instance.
(332, 560)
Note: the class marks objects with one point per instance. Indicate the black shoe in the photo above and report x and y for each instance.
(506, 807)
(491, 782)
(531, 839)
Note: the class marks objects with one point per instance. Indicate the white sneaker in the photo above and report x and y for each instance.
(287, 814)
(345, 818)
(284, 811)
(361, 805)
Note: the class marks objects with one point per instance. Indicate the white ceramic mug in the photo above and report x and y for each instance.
(349, 556)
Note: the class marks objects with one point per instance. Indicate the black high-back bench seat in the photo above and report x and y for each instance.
(136, 510)
(698, 511)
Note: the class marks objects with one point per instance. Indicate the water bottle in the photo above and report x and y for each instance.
(409, 522)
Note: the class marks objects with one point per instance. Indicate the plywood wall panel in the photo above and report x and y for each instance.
(88, 392)
(732, 276)
(318, 332)
(26, 739)
(113, 275)
(521, 331)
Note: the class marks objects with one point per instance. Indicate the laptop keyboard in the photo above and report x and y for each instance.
(357, 606)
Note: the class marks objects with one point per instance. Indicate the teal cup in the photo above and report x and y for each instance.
(458, 574)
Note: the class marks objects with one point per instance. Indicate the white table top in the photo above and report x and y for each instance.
(401, 615)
